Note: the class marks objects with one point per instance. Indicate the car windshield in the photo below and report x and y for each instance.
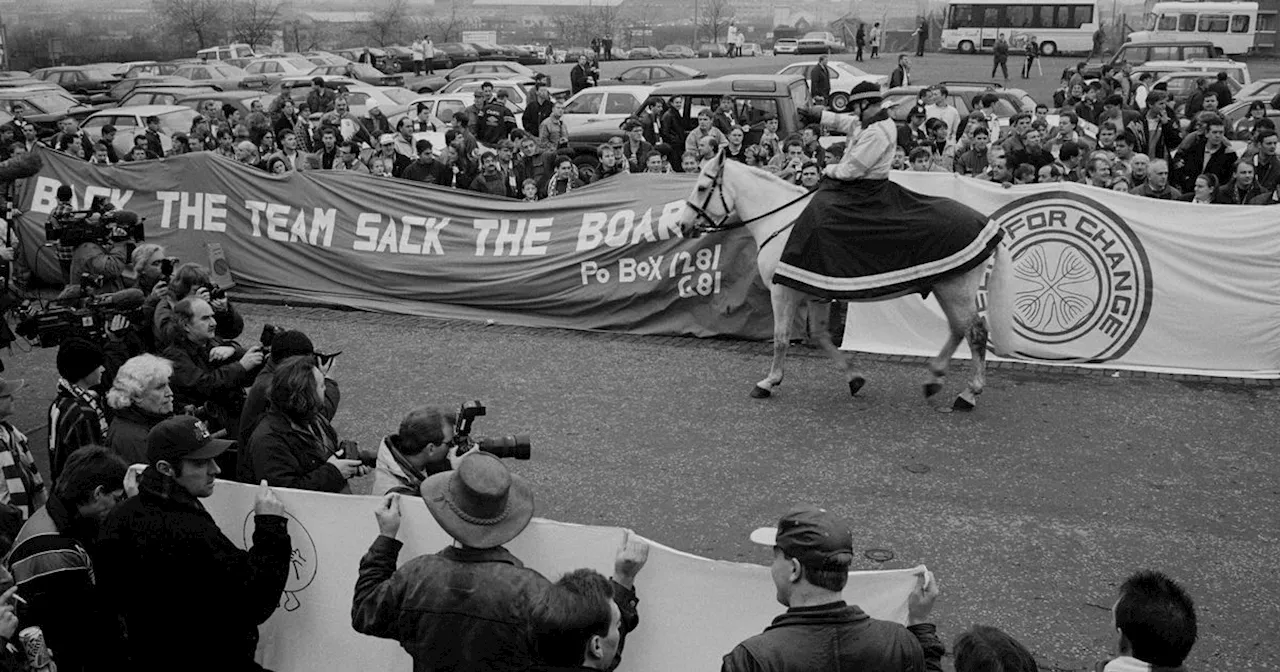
(685, 70)
(298, 64)
(228, 72)
(400, 96)
(49, 102)
(177, 121)
(841, 65)
(94, 73)
(365, 70)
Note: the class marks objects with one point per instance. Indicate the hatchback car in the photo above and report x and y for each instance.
(843, 78)
(163, 95)
(499, 70)
(241, 100)
(603, 103)
(83, 82)
(131, 122)
(359, 71)
(678, 51)
(275, 68)
(221, 75)
(786, 45)
(643, 54)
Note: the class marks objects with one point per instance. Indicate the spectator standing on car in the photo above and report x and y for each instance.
(820, 80)
(496, 121)
(1000, 57)
(538, 108)
(153, 136)
(320, 98)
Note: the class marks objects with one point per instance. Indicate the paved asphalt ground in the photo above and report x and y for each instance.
(1031, 510)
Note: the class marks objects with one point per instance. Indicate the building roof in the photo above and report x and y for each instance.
(548, 3)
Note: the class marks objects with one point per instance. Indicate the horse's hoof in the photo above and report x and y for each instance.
(856, 384)
(931, 389)
(962, 404)
(758, 392)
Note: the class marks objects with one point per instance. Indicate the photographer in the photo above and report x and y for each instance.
(149, 277)
(93, 259)
(194, 280)
(76, 416)
(294, 446)
(419, 450)
(141, 398)
(283, 345)
(204, 370)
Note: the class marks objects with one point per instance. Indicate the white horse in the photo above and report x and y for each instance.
(731, 194)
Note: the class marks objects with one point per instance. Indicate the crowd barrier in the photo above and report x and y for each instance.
(692, 610)
(1098, 278)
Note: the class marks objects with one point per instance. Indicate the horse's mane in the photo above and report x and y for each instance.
(764, 174)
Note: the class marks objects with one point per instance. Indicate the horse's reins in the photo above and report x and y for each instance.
(717, 226)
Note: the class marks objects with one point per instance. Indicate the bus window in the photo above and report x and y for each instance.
(1187, 23)
(1019, 16)
(1045, 16)
(1163, 54)
(1062, 19)
(1081, 14)
(1168, 22)
(1213, 23)
(991, 17)
(961, 16)
(1240, 23)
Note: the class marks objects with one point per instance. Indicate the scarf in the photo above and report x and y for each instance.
(18, 467)
(88, 398)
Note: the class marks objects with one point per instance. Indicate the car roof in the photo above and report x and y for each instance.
(726, 85)
(195, 88)
(223, 95)
(141, 110)
(510, 63)
(14, 90)
(1192, 64)
(640, 89)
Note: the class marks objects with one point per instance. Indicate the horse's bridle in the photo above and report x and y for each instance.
(723, 224)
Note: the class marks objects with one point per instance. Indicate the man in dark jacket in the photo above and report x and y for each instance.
(204, 370)
(534, 164)
(154, 146)
(1242, 188)
(580, 76)
(164, 539)
(1206, 152)
(812, 553)
(538, 108)
(469, 607)
(77, 417)
(820, 80)
(491, 180)
(51, 565)
(581, 625)
(426, 168)
(901, 75)
(284, 345)
(673, 128)
(1221, 89)
(1266, 165)
(320, 98)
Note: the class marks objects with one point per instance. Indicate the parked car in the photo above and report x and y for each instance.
(131, 122)
(226, 52)
(292, 83)
(752, 49)
(126, 86)
(83, 82)
(526, 55)
(241, 100)
(1137, 53)
(42, 106)
(843, 78)
(324, 58)
(498, 70)
(379, 59)
(359, 71)
(678, 51)
(163, 95)
(517, 89)
(820, 42)
(458, 53)
(786, 45)
(603, 104)
(31, 84)
(222, 75)
(643, 53)
(1181, 85)
(442, 106)
(1207, 67)
(275, 68)
(489, 52)
(15, 74)
(392, 100)
(151, 68)
(712, 50)
(657, 74)
(538, 52)
(1259, 89)
(899, 100)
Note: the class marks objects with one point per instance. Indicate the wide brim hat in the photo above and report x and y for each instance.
(866, 92)
(479, 503)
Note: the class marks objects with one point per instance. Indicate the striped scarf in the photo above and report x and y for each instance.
(22, 481)
(75, 420)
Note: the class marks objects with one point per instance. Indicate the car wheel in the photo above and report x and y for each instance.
(839, 102)
(966, 47)
(588, 168)
(1048, 48)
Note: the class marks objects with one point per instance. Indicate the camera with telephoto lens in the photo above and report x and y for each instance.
(515, 446)
(87, 316)
(215, 292)
(102, 223)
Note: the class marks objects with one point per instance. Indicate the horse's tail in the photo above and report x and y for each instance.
(1004, 340)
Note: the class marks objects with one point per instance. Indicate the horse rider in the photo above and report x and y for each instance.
(871, 136)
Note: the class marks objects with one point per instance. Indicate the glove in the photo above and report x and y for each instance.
(811, 114)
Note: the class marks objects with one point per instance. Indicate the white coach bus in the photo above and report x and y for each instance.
(1058, 25)
(1232, 27)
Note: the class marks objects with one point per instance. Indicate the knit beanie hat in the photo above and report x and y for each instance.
(78, 358)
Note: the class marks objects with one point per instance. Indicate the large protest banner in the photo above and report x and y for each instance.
(609, 256)
(1104, 279)
(692, 610)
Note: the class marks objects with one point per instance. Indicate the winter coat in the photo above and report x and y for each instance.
(196, 380)
(127, 434)
(255, 401)
(163, 544)
(289, 456)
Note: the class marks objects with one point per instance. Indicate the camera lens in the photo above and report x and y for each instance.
(515, 447)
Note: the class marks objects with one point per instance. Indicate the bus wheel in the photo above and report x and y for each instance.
(966, 47)
(839, 101)
(1048, 48)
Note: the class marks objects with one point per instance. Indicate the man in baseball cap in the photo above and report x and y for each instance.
(164, 538)
(812, 555)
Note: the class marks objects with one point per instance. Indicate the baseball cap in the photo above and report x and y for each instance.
(183, 437)
(387, 139)
(811, 535)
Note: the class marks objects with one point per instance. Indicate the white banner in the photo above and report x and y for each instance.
(692, 610)
(1104, 279)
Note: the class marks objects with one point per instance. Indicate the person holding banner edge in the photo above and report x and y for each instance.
(469, 607)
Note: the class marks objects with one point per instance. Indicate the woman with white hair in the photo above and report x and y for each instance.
(140, 398)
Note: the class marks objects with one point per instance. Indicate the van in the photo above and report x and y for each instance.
(1137, 53)
(226, 52)
(1211, 67)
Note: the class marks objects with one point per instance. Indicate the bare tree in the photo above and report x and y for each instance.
(714, 18)
(201, 18)
(387, 22)
(605, 20)
(254, 21)
(444, 26)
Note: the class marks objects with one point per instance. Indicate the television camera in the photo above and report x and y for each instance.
(102, 223)
(87, 316)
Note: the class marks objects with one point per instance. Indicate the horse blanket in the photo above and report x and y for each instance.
(873, 239)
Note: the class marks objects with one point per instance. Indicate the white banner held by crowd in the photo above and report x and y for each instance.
(1104, 279)
(692, 610)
